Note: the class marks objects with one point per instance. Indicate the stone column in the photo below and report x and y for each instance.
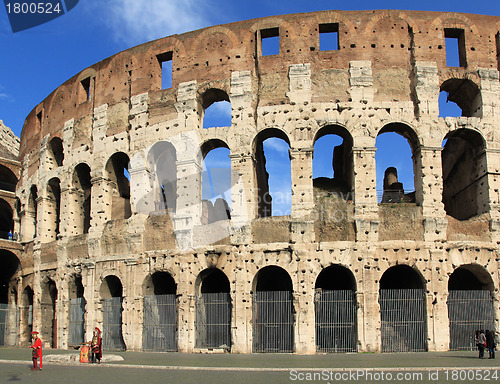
(426, 86)
(242, 309)
(429, 192)
(492, 200)
(92, 306)
(302, 195)
(100, 205)
(438, 325)
(305, 320)
(45, 219)
(243, 198)
(490, 88)
(369, 308)
(365, 193)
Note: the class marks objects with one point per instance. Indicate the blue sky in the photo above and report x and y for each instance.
(36, 61)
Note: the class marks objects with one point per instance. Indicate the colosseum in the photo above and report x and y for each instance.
(104, 221)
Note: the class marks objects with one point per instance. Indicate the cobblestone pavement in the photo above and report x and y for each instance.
(141, 367)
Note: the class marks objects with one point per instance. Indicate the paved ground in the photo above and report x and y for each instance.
(142, 368)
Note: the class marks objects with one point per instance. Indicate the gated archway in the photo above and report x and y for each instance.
(49, 313)
(335, 310)
(402, 310)
(77, 312)
(470, 305)
(273, 315)
(213, 310)
(112, 294)
(9, 314)
(159, 332)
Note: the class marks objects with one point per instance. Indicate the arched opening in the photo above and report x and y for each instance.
(31, 215)
(54, 207)
(465, 94)
(216, 182)
(335, 310)
(8, 180)
(49, 312)
(273, 313)
(83, 186)
(470, 305)
(9, 266)
(27, 314)
(111, 292)
(396, 164)
(162, 159)
(402, 310)
(213, 310)
(6, 219)
(159, 331)
(273, 173)
(333, 162)
(117, 171)
(465, 171)
(77, 311)
(216, 108)
(56, 153)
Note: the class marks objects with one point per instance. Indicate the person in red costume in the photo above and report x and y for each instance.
(36, 345)
(96, 346)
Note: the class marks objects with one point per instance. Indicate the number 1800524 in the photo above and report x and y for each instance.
(33, 8)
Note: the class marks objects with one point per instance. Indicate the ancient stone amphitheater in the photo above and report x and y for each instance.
(109, 229)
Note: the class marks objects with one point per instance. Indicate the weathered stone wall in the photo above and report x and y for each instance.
(385, 76)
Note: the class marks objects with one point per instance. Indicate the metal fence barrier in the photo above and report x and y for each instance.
(403, 320)
(468, 311)
(112, 339)
(9, 320)
(273, 321)
(76, 322)
(336, 321)
(213, 320)
(159, 332)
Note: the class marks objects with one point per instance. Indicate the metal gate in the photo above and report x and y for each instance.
(112, 338)
(9, 320)
(273, 321)
(336, 321)
(213, 320)
(159, 332)
(76, 321)
(403, 320)
(468, 311)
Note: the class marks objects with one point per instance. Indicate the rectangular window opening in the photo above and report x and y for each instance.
(497, 39)
(165, 61)
(455, 47)
(270, 41)
(39, 119)
(329, 37)
(86, 88)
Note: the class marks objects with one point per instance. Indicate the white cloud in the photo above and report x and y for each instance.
(136, 22)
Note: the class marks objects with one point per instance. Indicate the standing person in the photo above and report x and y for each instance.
(480, 342)
(36, 345)
(96, 346)
(490, 343)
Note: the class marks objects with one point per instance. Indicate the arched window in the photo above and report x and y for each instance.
(55, 153)
(117, 171)
(216, 108)
(54, 207)
(8, 180)
(465, 184)
(162, 159)
(465, 94)
(332, 162)
(273, 173)
(83, 185)
(395, 161)
(216, 182)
